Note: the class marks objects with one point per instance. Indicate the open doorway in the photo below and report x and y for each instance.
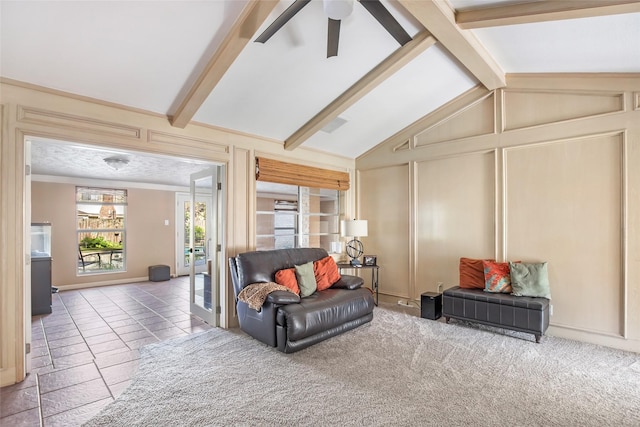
(124, 212)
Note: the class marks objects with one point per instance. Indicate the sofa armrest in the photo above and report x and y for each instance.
(282, 297)
(348, 282)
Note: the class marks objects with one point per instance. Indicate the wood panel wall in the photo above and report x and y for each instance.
(547, 169)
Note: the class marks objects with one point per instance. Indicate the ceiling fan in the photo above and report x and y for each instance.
(336, 11)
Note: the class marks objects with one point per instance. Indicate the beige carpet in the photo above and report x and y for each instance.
(398, 370)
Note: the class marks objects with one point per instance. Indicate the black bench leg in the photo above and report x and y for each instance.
(446, 319)
(538, 337)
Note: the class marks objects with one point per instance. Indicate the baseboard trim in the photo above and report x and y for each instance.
(104, 283)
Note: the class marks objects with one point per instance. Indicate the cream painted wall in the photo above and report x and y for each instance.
(388, 233)
(26, 110)
(544, 170)
(148, 240)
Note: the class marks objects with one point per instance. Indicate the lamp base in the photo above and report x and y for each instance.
(355, 262)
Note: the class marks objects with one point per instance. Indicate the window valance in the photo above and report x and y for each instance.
(305, 176)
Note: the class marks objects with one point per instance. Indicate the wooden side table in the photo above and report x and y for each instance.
(374, 275)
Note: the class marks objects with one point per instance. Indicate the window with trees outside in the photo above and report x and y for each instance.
(290, 216)
(101, 231)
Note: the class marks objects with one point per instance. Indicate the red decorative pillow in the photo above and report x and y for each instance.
(287, 277)
(497, 276)
(472, 273)
(326, 272)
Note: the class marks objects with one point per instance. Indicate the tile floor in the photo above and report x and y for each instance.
(86, 351)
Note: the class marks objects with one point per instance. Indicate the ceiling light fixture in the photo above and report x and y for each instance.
(116, 163)
(338, 9)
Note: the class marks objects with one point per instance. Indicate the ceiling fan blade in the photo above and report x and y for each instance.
(384, 17)
(281, 20)
(333, 37)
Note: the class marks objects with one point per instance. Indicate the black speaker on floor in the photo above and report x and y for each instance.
(431, 305)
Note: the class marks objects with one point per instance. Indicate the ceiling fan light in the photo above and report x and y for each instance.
(338, 9)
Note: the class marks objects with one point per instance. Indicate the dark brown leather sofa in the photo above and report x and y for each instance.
(291, 323)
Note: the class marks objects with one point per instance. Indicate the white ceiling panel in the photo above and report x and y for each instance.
(420, 87)
(274, 88)
(598, 45)
(134, 53)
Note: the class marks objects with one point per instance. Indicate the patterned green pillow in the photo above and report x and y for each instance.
(306, 279)
(530, 280)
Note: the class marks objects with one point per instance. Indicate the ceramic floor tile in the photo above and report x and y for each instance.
(18, 401)
(108, 346)
(77, 416)
(73, 397)
(132, 336)
(119, 373)
(110, 319)
(68, 350)
(40, 362)
(86, 327)
(73, 360)
(68, 377)
(39, 342)
(118, 388)
(134, 345)
(169, 333)
(189, 323)
(65, 342)
(29, 381)
(121, 330)
(144, 315)
(72, 379)
(159, 326)
(28, 418)
(104, 361)
(97, 339)
(97, 331)
(124, 322)
(39, 351)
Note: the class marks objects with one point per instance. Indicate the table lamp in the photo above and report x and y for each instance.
(354, 228)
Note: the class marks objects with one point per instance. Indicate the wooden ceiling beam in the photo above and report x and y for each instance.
(366, 84)
(438, 17)
(251, 18)
(539, 11)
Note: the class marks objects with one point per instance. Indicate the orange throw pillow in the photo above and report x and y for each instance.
(326, 272)
(287, 277)
(472, 273)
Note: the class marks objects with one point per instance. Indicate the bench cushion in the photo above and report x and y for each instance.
(495, 298)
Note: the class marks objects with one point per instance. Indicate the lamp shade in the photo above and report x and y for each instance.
(354, 227)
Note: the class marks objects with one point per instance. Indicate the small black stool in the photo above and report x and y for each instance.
(431, 305)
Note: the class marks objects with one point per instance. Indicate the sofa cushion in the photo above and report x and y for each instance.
(497, 276)
(287, 277)
(323, 311)
(326, 272)
(306, 279)
(472, 273)
(530, 280)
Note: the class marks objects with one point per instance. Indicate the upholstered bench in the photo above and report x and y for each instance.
(524, 314)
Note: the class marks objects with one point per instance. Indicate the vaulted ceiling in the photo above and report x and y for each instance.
(197, 61)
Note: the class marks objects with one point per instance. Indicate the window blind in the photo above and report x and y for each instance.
(304, 176)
